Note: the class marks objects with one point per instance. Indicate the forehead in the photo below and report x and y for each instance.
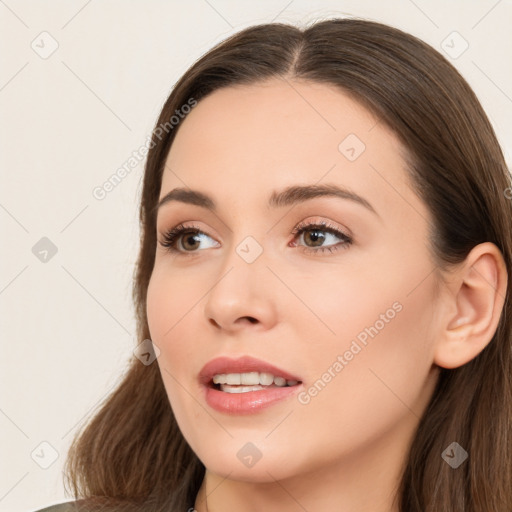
(278, 116)
(251, 139)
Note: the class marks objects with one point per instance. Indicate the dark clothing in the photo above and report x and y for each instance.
(60, 507)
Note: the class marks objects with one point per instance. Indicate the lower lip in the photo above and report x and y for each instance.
(249, 402)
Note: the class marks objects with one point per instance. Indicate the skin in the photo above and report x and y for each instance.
(343, 450)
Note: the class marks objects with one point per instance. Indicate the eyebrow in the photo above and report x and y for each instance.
(289, 196)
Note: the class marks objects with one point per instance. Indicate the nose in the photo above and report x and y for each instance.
(241, 297)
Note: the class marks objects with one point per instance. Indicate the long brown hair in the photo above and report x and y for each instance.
(132, 450)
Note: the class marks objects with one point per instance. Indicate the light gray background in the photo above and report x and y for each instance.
(68, 122)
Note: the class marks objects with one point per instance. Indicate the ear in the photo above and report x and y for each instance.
(475, 299)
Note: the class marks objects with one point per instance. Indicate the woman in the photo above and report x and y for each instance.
(288, 374)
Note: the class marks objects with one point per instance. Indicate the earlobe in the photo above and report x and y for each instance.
(474, 308)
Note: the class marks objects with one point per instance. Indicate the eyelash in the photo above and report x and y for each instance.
(171, 236)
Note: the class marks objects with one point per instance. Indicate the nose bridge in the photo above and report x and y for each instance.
(245, 250)
(242, 288)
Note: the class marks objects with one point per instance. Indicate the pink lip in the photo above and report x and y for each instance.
(252, 401)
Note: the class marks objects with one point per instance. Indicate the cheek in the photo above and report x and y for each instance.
(379, 322)
(171, 296)
(172, 318)
(172, 303)
(381, 304)
(372, 365)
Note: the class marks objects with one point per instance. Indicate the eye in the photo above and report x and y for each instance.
(185, 239)
(190, 238)
(314, 233)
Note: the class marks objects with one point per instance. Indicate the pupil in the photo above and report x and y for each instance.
(316, 236)
(190, 236)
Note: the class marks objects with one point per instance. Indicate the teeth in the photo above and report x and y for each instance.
(255, 379)
(239, 389)
(266, 379)
(233, 378)
(279, 381)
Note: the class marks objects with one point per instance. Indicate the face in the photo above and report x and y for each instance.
(334, 292)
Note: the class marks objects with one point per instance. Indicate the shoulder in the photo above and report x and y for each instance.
(60, 507)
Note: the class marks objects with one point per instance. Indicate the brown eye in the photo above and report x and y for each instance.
(190, 236)
(315, 236)
(190, 240)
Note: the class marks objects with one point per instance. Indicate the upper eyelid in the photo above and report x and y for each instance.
(309, 224)
(323, 225)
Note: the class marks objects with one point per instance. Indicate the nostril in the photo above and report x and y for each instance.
(250, 319)
(244, 319)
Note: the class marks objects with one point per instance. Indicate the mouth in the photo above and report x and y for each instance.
(245, 385)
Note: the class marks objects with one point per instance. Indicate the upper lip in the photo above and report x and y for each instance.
(243, 364)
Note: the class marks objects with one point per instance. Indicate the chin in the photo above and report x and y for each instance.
(228, 464)
(260, 473)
